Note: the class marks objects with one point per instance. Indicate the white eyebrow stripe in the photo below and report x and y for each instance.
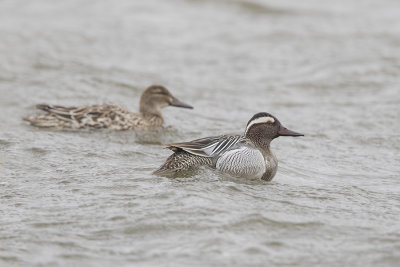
(260, 120)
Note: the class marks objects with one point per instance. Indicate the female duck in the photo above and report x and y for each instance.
(111, 116)
(245, 156)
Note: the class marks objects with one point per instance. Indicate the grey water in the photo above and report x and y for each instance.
(328, 69)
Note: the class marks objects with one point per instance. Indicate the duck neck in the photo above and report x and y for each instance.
(149, 111)
(261, 142)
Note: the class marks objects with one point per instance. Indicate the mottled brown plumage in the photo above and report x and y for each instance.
(110, 116)
(182, 161)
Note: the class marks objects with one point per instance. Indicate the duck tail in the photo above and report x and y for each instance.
(42, 121)
(182, 161)
(28, 119)
(171, 165)
(39, 121)
(44, 107)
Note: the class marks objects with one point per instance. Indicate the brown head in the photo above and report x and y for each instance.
(262, 128)
(157, 97)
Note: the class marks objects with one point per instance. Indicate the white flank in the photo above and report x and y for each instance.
(260, 120)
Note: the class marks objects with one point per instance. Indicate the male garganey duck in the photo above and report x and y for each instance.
(110, 116)
(244, 156)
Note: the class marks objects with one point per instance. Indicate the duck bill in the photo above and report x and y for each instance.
(286, 132)
(177, 103)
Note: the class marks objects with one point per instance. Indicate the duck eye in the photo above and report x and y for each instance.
(268, 120)
(260, 120)
(159, 92)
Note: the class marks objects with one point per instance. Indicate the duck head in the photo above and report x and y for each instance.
(157, 97)
(262, 128)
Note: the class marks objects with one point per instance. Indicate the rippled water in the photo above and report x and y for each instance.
(329, 69)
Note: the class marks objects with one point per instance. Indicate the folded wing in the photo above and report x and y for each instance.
(208, 146)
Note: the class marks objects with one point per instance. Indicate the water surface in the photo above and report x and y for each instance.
(327, 69)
